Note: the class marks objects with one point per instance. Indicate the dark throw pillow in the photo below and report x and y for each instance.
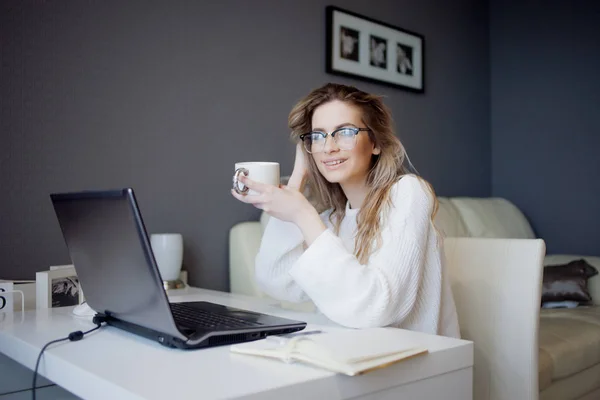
(567, 282)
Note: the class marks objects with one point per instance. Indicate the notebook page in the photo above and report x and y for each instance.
(355, 345)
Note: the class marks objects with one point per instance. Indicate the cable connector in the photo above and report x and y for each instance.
(99, 319)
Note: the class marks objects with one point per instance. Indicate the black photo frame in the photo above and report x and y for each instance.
(364, 48)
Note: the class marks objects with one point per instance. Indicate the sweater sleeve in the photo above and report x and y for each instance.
(281, 246)
(385, 290)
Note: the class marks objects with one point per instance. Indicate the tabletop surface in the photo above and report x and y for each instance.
(111, 363)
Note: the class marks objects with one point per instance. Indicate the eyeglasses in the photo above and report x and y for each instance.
(344, 138)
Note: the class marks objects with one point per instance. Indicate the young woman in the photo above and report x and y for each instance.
(374, 257)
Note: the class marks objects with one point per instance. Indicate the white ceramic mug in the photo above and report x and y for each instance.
(168, 253)
(259, 171)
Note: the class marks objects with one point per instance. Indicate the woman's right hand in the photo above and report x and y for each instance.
(300, 172)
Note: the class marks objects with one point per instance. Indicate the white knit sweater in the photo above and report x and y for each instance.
(404, 283)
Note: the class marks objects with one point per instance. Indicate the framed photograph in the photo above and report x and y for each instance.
(58, 287)
(363, 48)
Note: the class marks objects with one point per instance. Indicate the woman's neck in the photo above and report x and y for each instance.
(355, 193)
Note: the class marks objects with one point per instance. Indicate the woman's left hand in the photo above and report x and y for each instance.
(284, 203)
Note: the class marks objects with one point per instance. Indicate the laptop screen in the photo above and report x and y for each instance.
(110, 250)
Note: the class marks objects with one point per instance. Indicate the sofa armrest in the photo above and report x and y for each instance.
(244, 242)
(593, 282)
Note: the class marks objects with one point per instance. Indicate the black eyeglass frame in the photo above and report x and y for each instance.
(332, 134)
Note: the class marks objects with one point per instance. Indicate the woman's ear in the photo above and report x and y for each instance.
(376, 150)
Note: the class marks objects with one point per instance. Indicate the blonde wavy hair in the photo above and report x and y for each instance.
(386, 168)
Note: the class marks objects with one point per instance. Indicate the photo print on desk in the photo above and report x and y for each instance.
(58, 287)
(363, 48)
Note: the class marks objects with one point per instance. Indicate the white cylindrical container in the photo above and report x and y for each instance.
(168, 253)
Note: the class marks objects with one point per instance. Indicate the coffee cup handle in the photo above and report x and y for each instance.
(236, 177)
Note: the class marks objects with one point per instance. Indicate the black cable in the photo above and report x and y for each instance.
(73, 337)
(38, 362)
(26, 390)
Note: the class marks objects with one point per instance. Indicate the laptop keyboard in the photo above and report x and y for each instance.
(192, 317)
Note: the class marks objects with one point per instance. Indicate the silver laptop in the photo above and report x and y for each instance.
(109, 247)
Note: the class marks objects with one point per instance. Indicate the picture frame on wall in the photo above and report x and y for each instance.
(58, 287)
(367, 49)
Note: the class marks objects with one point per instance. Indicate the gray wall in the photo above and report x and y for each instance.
(167, 96)
(545, 99)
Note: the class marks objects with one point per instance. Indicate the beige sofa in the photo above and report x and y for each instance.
(569, 339)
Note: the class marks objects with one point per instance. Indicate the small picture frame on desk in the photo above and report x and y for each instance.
(6, 297)
(11, 292)
(58, 287)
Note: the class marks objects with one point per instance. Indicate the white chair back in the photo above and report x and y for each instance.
(496, 284)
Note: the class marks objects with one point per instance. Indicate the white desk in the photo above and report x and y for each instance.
(113, 364)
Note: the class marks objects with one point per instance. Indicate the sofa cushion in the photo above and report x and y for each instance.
(579, 386)
(493, 217)
(448, 219)
(569, 342)
(593, 282)
(567, 282)
(579, 267)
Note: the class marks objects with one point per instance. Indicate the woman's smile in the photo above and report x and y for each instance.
(334, 163)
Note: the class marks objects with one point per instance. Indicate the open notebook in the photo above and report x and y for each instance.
(351, 352)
